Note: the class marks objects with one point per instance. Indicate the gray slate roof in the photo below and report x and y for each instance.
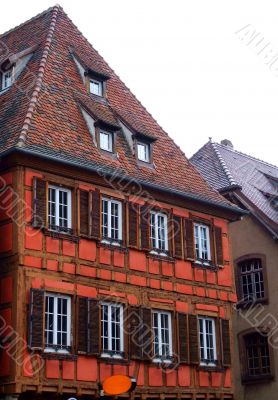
(226, 168)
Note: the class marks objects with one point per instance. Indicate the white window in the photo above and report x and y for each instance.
(59, 209)
(111, 220)
(57, 323)
(106, 141)
(112, 330)
(162, 331)
(96, 87)
(143, 152)
(7, 79)
(159, 231)
(207, 341)
(202, 242)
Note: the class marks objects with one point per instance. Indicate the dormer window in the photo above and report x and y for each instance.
(106, 141)
(7, 79)
(143, 152)
(96, 87)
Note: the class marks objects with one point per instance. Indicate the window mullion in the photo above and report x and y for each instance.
(57, 208)
(159, 335)
(55, 321)
(156, 231)
(109, 328)
(109, 218)
(205, 338)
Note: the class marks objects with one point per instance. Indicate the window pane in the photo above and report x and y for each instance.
(106, 141)
(251, 278)
(96, 88)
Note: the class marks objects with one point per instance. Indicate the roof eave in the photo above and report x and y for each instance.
(236, 211)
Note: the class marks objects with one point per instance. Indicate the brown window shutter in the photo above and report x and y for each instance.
(183, 337)
(189, 239)
(145, 227)
(36, 318)
(133, 326)
(193, 339)
(96, 214)
(177, 230)
(39, 203)
(218, 245)
(93, 327)
(82, 330)
(146, 334)
(133, 224)
(226, 347)
(84, 212)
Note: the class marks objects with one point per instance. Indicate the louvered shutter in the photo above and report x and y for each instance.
(95, 214)
(39, 203)
(193, 339)
(189, 239)
(218, 245)
(133, 224)
(84, 212)
(93, 327)
(226, 347)
(183, 337)
(177, 230)
(36, 318)
(146, 334)
(133, 326)
(145, 227)
(82, 329)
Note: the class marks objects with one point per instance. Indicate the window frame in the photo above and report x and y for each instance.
(109, 239)
(156, 249)
(100, 83)
(147, 152)
(199, 225)
(246, 378)
(160, 358)
(3, 74)
(55, 349)
(110, 135)
(238, 262)
(112, 353)
(59, 228)
(206, 361)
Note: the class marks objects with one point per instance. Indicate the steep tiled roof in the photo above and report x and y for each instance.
(225, 168)
(41, 112)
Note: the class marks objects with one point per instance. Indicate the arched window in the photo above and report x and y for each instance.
(251, 279)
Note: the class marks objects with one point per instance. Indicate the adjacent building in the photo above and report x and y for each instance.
(114, 251)
(253, 185)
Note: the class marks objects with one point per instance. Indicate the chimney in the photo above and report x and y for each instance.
(226, 142)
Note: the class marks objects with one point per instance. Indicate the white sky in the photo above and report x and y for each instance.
(184, 62)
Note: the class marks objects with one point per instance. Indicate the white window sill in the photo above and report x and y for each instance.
(111, 242)
(115, 356)
(158, 253)
(205, 262)
(160, 361)
(59, 351)
(204, 364)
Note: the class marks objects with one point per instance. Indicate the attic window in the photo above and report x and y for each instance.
(7, 79)
(106, 141)
(143, 152)
(96, 87)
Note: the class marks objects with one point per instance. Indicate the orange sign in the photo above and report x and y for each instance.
(117, 384)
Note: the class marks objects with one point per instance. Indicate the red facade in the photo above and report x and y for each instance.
(84, 231)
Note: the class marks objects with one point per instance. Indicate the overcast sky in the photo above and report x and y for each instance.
(187, 62)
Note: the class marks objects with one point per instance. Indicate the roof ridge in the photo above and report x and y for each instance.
(28, 21)
(246, 155)
(223, 164)
(39, 80)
